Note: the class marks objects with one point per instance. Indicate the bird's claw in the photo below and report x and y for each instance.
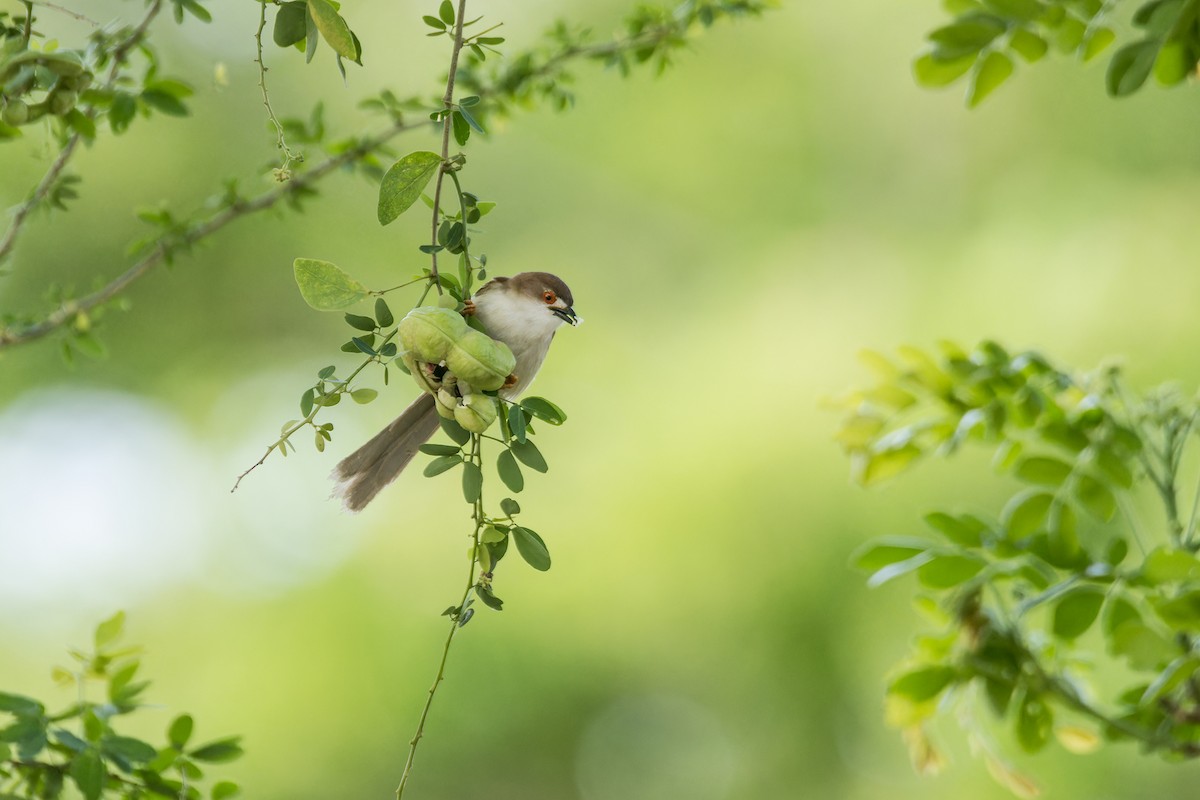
(510, 382)
(468, 308)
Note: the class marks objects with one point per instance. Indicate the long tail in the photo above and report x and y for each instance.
(360, 475)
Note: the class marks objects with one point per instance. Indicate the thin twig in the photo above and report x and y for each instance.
(455, 623)
(67, 11)
(447, 105)
(70, 309)
(289, 157)
(51, 177)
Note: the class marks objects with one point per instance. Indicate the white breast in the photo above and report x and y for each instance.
(524, 324)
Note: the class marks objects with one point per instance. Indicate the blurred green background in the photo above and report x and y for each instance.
(734, 232)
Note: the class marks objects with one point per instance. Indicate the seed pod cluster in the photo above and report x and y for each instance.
(61, 76)
(456, 364)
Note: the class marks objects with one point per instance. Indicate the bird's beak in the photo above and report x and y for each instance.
(567, 314)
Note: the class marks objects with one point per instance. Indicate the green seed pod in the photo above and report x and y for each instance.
(447, 301)
(481, 361)
(476, 412)
(16, 113)
(62, 101)
(445, 404)
(429, 332)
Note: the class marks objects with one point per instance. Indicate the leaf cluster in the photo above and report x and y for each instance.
(1040, 603)
(41, 751)
(987, 37)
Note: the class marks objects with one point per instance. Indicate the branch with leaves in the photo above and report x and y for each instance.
(40, 751)
(988, 37)
(1039, 604)
(525, 79)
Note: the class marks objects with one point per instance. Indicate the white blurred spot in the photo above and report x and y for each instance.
(655, 747)
(108, 499)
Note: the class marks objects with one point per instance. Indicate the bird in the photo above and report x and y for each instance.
(523, 311)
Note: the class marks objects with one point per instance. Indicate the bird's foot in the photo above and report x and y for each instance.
(510, 382)
(468, 308)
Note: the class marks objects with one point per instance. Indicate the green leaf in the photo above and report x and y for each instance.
(456, 432)
(383, 314)
(1026, 10)
(446, 12)
(311, 35)
(132, 750)
(360, 322)
(964, 530)
(923, 684)
(1130, 66)
(19, 705)
(434, 23)
(180, 731)
(109, 630)
(1034, 725)
(403, 183)
(510, 472)
(1173, 63)
(440, 465)
(289, 24)
(1182, 612)
(946, 571)
(363, 396)
(1097, 42)
(532, 548)
(965, 36)
(1076, 610)
(1025, 513)
(1043, 470)
(89, 774)
(219, 751)
(363, 347)
(1144, 647)
(490, 600)
(990, 71)
(306, 402)
(529, 455)
(1028, 45)
(1097, 498)
(510, 507)
(324, 286)
(1163, 566)
(874, 468)
(164, 102)
(225, 790)
(462, 131)
(543, 409)
(516, 423)
(440, 449)
(472, 481)
(882, 552)
(333, 28)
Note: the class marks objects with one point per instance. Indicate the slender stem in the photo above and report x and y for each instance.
(72, 308)
(462, 215)
(61, 10)
(447, 107)
(287, 433)
(289, 157)
(28, 32)
(455, 623)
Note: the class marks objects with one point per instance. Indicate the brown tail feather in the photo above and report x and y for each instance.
(362, 474)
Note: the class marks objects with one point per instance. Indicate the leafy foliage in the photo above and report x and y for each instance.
(1060, 613)
(41, 751)
(987, 37)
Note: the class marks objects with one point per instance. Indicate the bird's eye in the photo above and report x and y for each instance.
(549, 297)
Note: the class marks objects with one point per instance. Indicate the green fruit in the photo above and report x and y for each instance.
(476, 412)
(16, 112)
(62, 101)
(445, 403)
(447, 301)
(480, 361)
(428, 332)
